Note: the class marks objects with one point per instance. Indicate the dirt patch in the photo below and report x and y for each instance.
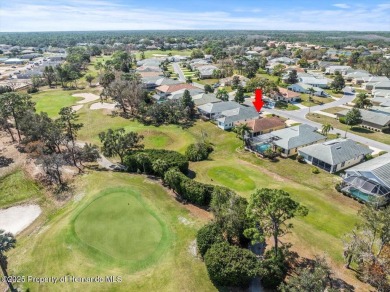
(77, 107)
(9, 151)
(193, 249)
(88, 97)
(102, 105)
(16, 219)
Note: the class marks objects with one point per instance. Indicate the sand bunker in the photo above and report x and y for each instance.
(88, 97)
(77, 107)
(102, 105)
(16, 219)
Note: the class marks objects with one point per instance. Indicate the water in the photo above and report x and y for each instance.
(261, 148)
(360, 195)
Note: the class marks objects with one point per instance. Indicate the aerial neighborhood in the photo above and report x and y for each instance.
(147, 155)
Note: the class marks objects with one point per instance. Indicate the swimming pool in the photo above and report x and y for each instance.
(261, 148)
(360, 195)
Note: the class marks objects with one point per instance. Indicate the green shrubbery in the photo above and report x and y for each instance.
(198, 151)
(208, 235)
(229, 265)
(145, 161)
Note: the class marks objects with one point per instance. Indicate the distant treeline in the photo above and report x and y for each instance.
(230, 37)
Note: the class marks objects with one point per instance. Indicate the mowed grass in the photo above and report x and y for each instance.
(17, 188)
(378, 136)
(334, 110)
(231, 177)
(136, 213)
(51, 101)
(152, 53)
(118, 224)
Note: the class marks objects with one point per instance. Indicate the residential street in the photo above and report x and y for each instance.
(300, 117)
(178, 71)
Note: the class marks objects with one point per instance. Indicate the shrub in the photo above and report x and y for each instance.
(338, 187)
(230, 266)
(32, 90)
(273, 270)
(170, 158)
(188, 189)
(198, 151)
(381, 153)
(208, 235)
(342, 120)
(301, 159)
(315, 170)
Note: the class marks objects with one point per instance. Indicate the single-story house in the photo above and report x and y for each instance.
(383, 85)
(168, 89)
(242, 113)
(372, 120)
(289, 140)
(305, 88)
(265, 125)
(335, 155)
(155, 81)
(356, 76)
(341, 69)
(203, 98)
(369, 82)
(213, 110)
(179, 93)
(315, 82)
(286, 95)
(369, 181)
(283, 60)
(14, 61)
(206, 71)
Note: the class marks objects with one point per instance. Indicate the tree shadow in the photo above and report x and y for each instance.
(361, 130)
(191, 174)
(5, 161)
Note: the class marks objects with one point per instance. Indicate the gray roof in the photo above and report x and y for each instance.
(336, 151)
(374, 117)
(203, 98)
(297, 136)
(238, 114)
(179, 93)
(379, 166)
(212, 108)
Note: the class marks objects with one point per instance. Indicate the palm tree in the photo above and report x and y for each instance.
(241, 130)
(326, 128)
(7, 241)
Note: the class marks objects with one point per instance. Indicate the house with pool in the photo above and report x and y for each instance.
(288, 140)
(369, 181)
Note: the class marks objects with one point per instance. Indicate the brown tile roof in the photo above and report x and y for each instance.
(288, 93)
(264, 124)
(175, 87)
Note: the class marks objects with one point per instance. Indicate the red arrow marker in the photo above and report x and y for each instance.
(258, 103)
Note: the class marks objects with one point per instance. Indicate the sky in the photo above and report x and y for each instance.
(83, 15)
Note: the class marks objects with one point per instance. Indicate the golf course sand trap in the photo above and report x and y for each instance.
(102, 105)
(16, 219)
(88, 97)
(77, 107)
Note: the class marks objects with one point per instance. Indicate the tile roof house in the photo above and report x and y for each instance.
(293, 138)
(335, 155)
(168, 89)
(286, 95)
(265, 125)
(371, 119)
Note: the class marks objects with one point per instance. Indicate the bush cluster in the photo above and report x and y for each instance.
(198, 151)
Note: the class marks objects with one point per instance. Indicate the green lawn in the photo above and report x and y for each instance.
(378, 136)
(332, 93)
(17, 188)
(207, 81)
(289, 107)
(151, 53)
(334, 110)
(120, 216)
(231, 177)
(316, 100)
(267, 76)
(51, 101)
(117, 233)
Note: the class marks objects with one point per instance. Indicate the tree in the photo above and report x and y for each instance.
(7, 242)
(198, 151)
(314, 278)
(49, 74)
(208, 88)
(241, 130)
(89, 78)
(368, 247)
(326, 128)
(13, 106)
(127, 94)
(269, 210)
(52, 166)
(239, 97)
(353, 117)
(189, 79)
(230, 265)
(118, 142)
(208, 235)
(363, 101)
(338, 82)
(292, 77)
(235, 82)
(160, 166)
(303, 63)
(278, 70)
(197, 54)
(222, 94)
(188, 103)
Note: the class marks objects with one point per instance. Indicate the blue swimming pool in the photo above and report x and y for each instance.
(261, 148)
(360, 195)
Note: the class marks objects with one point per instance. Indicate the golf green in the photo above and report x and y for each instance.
(119, 224)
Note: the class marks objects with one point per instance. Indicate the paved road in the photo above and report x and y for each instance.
(255, 285)
(178, 71)
(300, 117)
